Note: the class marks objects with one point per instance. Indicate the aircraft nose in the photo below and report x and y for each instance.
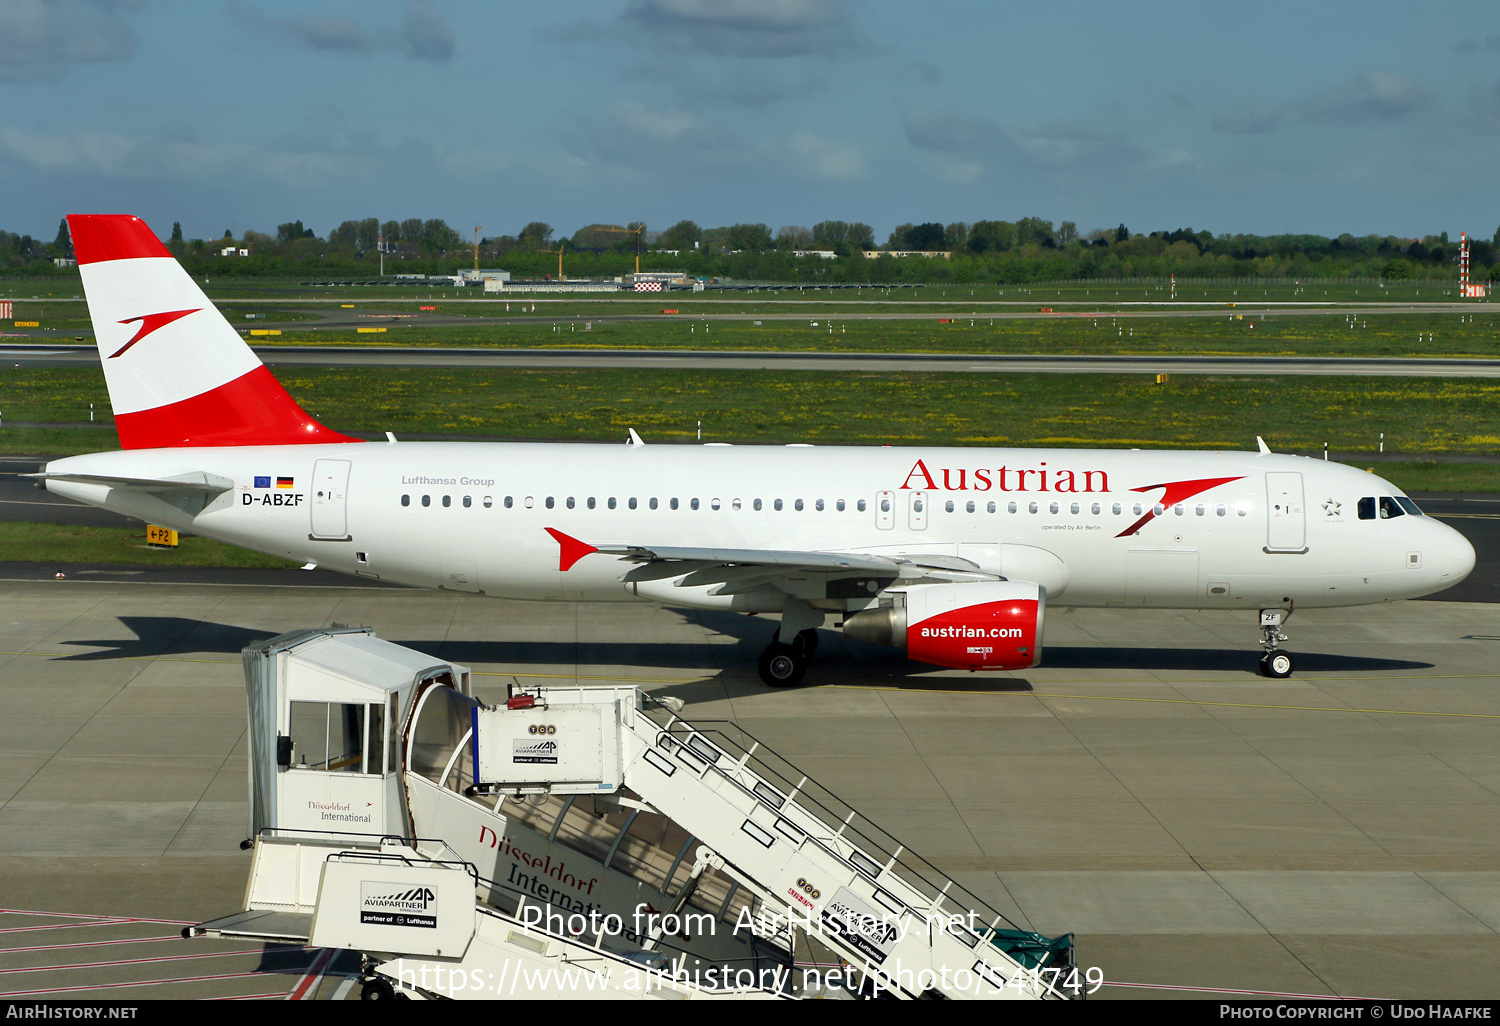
(1456, 557)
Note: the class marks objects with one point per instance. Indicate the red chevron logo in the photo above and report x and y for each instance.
(149, 323)
(1175, 492)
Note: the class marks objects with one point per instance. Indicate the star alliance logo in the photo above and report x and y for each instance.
(1330, 507)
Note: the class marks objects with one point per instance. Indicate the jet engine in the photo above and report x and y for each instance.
(984, 625)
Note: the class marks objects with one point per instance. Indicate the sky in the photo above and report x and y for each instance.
(1369, 117)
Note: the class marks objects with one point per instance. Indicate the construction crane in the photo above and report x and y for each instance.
(639, 228)
(477, 229)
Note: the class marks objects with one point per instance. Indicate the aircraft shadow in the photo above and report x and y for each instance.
(1219, 659)
(157, 636)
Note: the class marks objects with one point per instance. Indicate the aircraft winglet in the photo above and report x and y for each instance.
(1265, 450)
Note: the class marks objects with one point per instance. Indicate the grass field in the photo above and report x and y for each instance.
(63, 543)
(1422, 415)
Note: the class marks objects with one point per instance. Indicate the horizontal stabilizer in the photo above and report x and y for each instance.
(198, 481)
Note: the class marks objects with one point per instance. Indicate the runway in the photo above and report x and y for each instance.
(890, 363)
(1201, 829)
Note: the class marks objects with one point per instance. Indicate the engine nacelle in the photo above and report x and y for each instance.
(979, 626)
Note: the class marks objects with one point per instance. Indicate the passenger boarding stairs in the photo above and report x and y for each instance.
(819, 867)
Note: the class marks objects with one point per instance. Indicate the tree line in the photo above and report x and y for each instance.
(1028, 249)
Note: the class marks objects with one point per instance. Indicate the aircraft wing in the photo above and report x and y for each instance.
(743, 569)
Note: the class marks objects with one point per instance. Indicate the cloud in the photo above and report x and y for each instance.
(946, 130)
(828, 158)
(747, 28)
(1060, 145)
(41, 39)
(1372, 95)
(1256, 119)
(423, 34)
(659, 125)
(1484, 101)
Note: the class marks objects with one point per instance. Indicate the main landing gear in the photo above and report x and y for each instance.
(1274, 663)
(782, 665)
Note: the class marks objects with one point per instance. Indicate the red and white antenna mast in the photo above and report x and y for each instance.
(1465, 290)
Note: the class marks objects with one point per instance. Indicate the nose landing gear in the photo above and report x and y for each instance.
(1274, 663)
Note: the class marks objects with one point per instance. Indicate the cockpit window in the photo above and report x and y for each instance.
(1409, 506)
(1367, 508)
(1390, 508)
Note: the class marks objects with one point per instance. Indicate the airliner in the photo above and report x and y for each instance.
(951, 554)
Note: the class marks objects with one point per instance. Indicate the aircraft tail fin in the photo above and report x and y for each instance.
(178, 373)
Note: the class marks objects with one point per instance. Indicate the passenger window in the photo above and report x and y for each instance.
(406, 500)
(591, 503)
(797, 505)
(529, 501)
(509, 502)
(1115, 509)
(917, 505)
(652, 503)
(1051, 507)
(948, 506)
(570, 502)
(631, 502)
(970, 506)
(694, 504)
(818, 505)
(1135, 510)
(1031, 507)
(1200, 509)
(1094, 509)
(1220, 510)
(551, 502)
(1073, 509)
(1179, 509)
(776, 505)
(735, 504)
(672, 502)
(427, 500)
(860, 505)
(488, 502)
(990, 507)
(1159, 509)
(469, 501)
(840, 505)
(757, 505)
(1010, 507)
(713, 504)
(447, 501)
(885, 505)
(612, 502)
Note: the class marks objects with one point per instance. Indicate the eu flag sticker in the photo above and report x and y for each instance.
(263, 482)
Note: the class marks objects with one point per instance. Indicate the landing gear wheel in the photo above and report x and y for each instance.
(782, 666)
(1277, 664)
(377, 990)
(806, 642)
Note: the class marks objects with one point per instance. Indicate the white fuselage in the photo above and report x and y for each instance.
(473, 516)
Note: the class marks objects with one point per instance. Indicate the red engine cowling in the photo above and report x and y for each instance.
(981, 626)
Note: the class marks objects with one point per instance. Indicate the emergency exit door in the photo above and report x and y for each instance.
(1286, 522)
(330, 491)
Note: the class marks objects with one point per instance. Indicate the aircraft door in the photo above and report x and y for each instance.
(917, 511)
(885, 510)
(329, 500)
(1286, 521)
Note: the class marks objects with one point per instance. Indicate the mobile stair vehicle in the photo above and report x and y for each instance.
(580, 842)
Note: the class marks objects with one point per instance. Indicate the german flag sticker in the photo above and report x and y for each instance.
(283, 482)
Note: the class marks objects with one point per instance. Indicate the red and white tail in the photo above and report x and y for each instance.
(178, 373)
